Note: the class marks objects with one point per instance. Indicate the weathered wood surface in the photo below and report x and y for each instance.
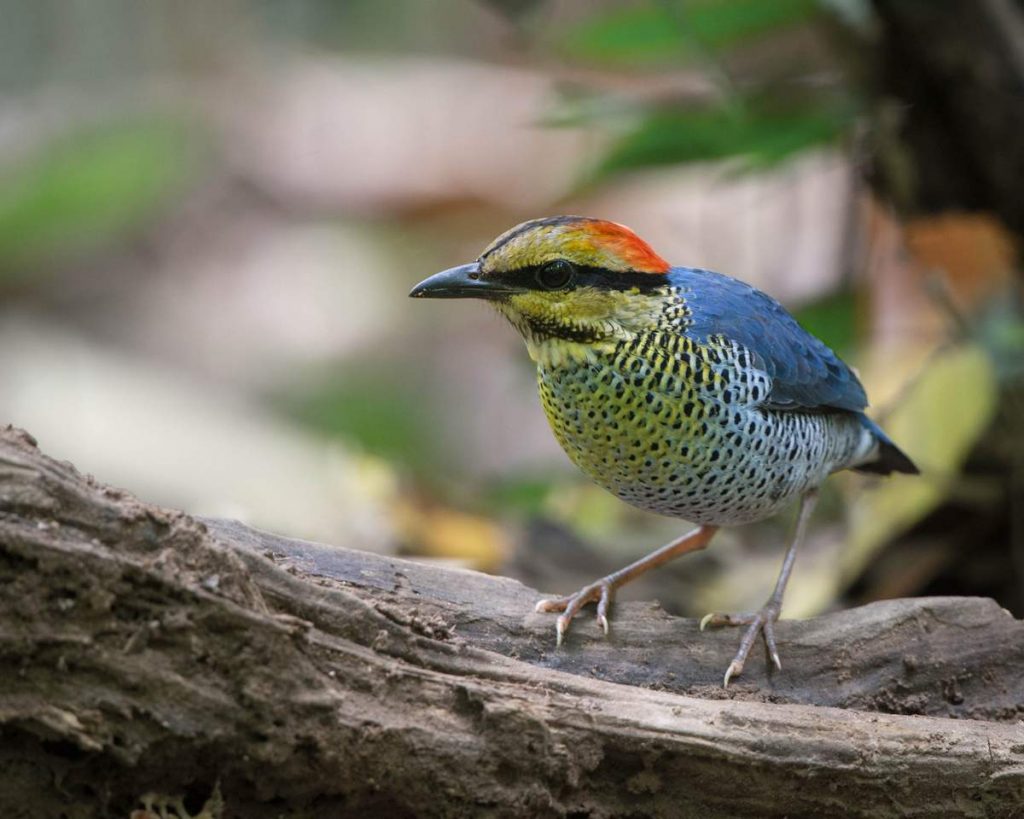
(144, 651)
(949, 656)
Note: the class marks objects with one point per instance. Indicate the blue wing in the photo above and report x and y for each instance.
(805, 373)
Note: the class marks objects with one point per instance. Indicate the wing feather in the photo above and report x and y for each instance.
(805, 373)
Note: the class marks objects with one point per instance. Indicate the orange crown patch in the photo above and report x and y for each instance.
(580, 239)
(622, 243)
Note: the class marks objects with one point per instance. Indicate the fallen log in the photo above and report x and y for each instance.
(149, 655)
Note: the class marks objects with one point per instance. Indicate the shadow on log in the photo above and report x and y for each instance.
(145, 652)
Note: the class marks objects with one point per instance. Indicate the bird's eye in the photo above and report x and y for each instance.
(556, 275)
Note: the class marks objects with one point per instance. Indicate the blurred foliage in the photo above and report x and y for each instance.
(1002, 332)
(674, 30)
(941, 416)
(524, 495)
(86, 190)
(442, 532)
(382, 412)
(762, 134)
(589, 511)
(669, 81)
(584, 507)
(775, 115)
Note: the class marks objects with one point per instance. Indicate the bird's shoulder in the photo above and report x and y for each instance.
(805, 373)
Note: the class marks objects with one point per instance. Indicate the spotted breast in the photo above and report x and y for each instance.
(679, 420)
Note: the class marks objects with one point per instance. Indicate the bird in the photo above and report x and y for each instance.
(680, 390)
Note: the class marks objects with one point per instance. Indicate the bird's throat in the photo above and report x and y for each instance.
(552, 353)
(561, 329)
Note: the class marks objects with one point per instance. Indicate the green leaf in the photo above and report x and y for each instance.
(637, 36)
(762, 137)
(661, 32)
(87, 190)
(718, 23)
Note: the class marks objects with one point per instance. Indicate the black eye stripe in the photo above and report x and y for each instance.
(525, 278)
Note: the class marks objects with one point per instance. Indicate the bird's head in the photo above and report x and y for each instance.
(567, 283)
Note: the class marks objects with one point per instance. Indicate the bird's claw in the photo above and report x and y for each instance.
(735, 668)
(715, 619)
(569, 606)
(760, 622)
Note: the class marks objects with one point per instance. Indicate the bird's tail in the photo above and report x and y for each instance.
(888, 458)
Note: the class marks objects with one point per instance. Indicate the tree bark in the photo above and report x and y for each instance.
(146, 652)
(957, 69)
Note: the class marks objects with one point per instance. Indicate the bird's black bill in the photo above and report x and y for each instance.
(461, 282)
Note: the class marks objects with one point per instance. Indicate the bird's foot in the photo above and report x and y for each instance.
(600, 591)
(762, 622)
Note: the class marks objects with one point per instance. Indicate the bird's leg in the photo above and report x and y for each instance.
(763, 621)
(603, 590)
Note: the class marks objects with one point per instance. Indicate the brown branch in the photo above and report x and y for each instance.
(145, 651)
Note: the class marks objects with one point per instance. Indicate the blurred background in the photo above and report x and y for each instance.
(211, 214)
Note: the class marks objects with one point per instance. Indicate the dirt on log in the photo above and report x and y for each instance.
(148, 655)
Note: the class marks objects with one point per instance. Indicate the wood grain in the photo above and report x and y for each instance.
(146, 651)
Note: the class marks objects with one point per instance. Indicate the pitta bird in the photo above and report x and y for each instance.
(679, 390)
